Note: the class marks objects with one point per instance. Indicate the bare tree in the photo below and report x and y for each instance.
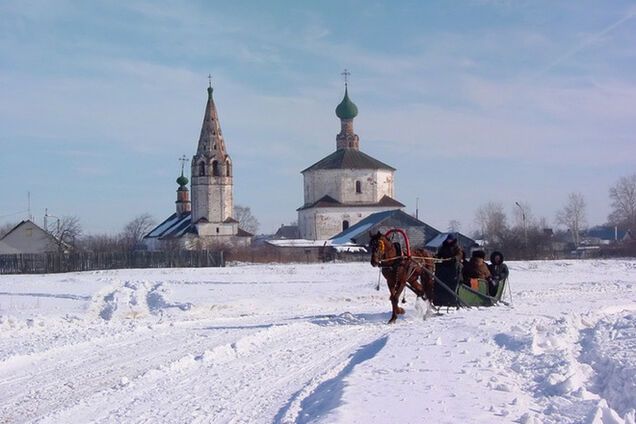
(136, 229)
(454, 226)
(572, 216)
(5, 228)
(247, 221)
(523, 211)
(623, 195)
(68, 230)
(491, 219)
(101, 243)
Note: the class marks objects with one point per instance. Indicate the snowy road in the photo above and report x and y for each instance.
(309, 343)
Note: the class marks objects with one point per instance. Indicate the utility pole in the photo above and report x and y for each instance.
(417, 208)
(525, 227)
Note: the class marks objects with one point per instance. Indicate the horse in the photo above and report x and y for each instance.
(401, 271)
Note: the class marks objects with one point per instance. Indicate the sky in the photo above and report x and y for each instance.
(471, 102)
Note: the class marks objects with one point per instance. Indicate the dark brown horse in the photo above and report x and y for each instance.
(401, 270)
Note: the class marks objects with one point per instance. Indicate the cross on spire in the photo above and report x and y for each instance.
(210, 80)
(346, 75)
(183, 159)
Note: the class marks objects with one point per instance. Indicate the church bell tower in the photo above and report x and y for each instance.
(212, 199)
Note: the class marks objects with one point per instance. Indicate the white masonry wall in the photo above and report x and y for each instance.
(341, 185)
(324, 223)
(212, 198)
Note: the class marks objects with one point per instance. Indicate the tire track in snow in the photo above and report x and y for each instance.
(248, 380)
(323, 392)
(51, 380)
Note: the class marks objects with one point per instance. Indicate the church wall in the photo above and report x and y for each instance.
(212, 200)
(324, 223)
(341, 185)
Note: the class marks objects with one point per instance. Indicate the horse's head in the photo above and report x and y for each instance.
(379, 246)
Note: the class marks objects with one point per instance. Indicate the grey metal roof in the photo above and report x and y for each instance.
(327, 201)
(387, 219)
(177, 226)
(348, 159)
(174, 226)
(464, 241)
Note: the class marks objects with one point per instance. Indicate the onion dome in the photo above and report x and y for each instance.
(346, 109)
(182, 180)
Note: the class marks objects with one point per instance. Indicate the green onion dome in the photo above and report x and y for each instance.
(346, 109)
(182, 180)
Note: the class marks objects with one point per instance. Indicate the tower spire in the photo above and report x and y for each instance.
(183, 195)
(211, 138)
(346, 111)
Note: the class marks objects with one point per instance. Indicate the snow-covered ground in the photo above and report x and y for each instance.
(309, 343)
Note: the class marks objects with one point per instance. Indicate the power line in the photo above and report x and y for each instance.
(14, 213)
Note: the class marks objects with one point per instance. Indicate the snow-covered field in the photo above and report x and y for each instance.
(309, 343)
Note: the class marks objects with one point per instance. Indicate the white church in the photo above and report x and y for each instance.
(207, 221)
(346, 186)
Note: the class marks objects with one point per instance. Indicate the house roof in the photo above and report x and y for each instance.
(327, 201)
(360, 228)
(605, 233)
(7, 247)
(348, 159)
(464, 241)
(287, 232)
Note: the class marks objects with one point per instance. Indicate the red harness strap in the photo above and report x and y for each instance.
(406, 239)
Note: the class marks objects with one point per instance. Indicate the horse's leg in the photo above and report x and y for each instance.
(400, 285)
(391, 283)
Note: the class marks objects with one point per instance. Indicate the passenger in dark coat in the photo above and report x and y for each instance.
(450, 249)
(476, 267)
(499, 271)
(498, 268)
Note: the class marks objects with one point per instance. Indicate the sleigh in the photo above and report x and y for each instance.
(449, 290)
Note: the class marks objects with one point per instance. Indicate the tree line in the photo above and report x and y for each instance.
(531, 237)
(69, 231)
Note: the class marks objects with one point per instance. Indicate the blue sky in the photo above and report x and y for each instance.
(471, 101)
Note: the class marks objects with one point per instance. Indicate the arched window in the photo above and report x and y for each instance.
(228, 169)
(201, 169)
(345, 225)
(215, 169)
(358, 187)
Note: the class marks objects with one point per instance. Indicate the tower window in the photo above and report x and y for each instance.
(201, 169)
(228, 168)
(358, 187)
(345, 225)
(215, 169)
(217, 230)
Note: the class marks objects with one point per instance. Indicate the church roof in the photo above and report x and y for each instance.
(174, 226)
(211, 139)
(348, 159)
(329, 202)
(177, 226)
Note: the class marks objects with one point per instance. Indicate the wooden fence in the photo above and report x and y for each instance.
(43, 263)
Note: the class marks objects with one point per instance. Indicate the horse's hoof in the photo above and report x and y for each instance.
(392, 320)
(400, 311)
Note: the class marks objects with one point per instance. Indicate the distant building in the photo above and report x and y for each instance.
(289, 232)
(346, 186)
(206, 221)
(27, 237)
(419, 233)
(604, 235)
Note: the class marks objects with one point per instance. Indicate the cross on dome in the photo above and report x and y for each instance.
(346, 75)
